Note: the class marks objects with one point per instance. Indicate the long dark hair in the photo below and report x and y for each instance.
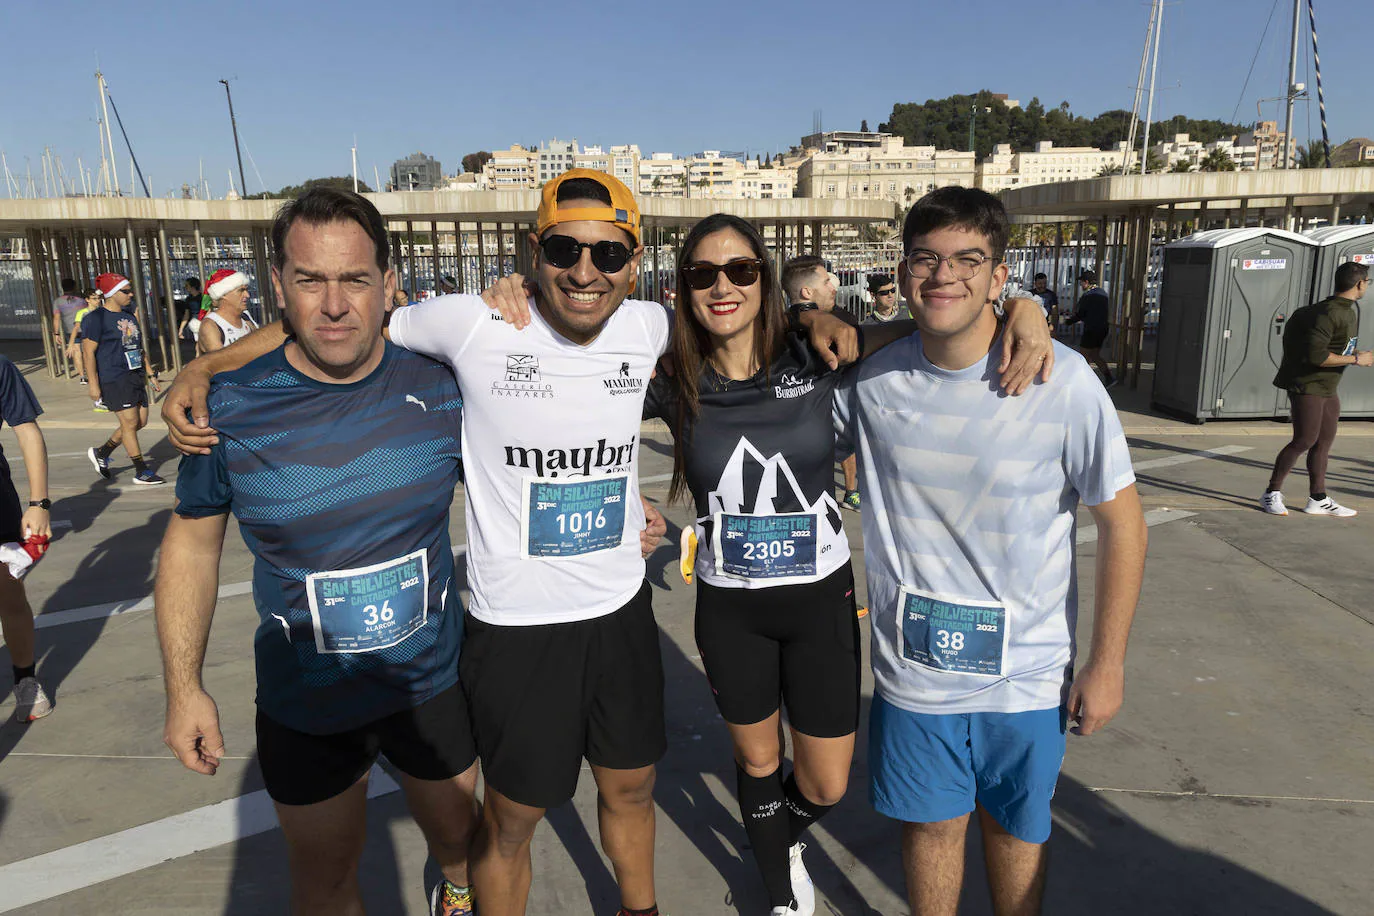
(691, 343)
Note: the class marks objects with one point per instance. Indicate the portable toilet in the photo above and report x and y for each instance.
(1335, 246)
(1225, 297)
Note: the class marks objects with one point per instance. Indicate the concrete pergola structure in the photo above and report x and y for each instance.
(82, 237)
(1131, 212)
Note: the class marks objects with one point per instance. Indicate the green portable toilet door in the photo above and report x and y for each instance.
(1263, 287)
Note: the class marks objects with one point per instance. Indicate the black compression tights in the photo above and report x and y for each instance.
(1315, 418)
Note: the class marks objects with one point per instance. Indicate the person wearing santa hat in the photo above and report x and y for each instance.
(113, 347)
(229, 320)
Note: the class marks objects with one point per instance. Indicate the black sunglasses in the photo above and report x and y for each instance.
(702, 275)
(564, 251)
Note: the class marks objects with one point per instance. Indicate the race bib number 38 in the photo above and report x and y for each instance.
(569, 518)
(962, 636)
(369, 608)
(766, 546)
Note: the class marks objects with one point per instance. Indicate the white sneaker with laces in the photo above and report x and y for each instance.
(802, 888)
(1273, 503)
(1328, 506)
(782, 911)
(31, 701)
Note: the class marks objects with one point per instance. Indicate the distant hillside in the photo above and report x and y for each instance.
(943, 123)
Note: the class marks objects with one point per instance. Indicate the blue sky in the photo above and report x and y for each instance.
(449, 78)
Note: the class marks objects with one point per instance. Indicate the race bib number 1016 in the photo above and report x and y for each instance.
(569, 518)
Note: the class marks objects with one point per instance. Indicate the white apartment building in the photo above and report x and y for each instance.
(1181, 148)
(468, 181)
(662, 175)
(1047, 163)
(556, 157)
(591, 157)
(512, 169)
(625, 164)
(772, 182)
(868, 165)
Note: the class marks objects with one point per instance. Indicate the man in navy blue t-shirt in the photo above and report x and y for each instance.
(338, 455)
(112, 344)
(19, 408)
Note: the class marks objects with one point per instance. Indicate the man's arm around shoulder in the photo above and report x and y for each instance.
(184, 601)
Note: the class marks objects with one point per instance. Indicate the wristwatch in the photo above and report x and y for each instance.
(40, 504)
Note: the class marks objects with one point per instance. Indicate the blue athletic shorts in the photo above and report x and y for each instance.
(926, 768)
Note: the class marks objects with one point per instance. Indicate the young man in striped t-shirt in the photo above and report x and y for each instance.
(969, 519)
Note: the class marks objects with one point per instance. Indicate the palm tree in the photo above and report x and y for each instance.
(1311, 155)
(1217, 160)
(1182, 165)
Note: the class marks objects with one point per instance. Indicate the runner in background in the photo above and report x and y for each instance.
(1319, 341)
(64, 309)
(229, 320)
(1094, 310)
(75, 353)
(113, 350)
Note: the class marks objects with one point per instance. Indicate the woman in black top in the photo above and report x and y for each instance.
(750, 409)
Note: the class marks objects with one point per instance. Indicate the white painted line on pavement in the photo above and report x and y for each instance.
(1088, 533)
(1174, 794)
(1186, 457)
(105, 858)
(657, 478)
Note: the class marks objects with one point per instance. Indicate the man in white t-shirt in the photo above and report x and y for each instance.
(969, 523)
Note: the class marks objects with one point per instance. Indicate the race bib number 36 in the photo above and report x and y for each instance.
(568, 518)
(766, 546)
(962, 636)
(369, 608)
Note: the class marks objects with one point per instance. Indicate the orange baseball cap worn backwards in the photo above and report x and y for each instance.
(623, 211)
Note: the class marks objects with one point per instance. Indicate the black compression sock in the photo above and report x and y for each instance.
(1319, 497)
(802, 812)
(107, 449)
(21, 673)
(139, 464)
(763, 807)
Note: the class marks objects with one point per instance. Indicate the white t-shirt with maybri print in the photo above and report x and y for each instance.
(969, 519)
(550, 453)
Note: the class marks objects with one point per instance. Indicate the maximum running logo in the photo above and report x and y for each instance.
(622, 382)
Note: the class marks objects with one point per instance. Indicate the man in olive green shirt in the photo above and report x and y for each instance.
(1318, 343)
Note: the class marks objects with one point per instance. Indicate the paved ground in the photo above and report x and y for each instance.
(1238, 779)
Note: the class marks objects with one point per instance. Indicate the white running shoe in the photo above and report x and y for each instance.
(1328, 506)
(31, 701)
(782, 911)
(802, 889)
(1273, 503)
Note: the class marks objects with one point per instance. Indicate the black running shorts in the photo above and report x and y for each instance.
(430, 741)
(11, 513)
(1093, 338)
(793, 644)
(125, 391)
(543, 697)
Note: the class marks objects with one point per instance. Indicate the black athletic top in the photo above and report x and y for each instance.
(760, 460)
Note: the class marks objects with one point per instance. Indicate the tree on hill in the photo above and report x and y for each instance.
(473, 162)
(340, 182)
(944, 123)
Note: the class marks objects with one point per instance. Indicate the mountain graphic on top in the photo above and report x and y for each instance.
(754, 485)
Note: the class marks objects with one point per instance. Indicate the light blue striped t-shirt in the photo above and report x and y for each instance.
(970, 498)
